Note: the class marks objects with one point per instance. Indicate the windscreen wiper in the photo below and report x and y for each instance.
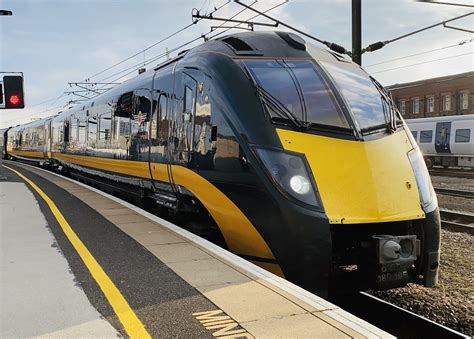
(280, 109)
(388, 106)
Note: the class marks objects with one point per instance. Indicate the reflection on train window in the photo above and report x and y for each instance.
(426, 137)
(73, 135)
(67, 131)
(124, 127)
(141, 114)
(188, 100)
(359, 90)
(163, 122)
(276, 80)
(104, 127)
(92, 134)
(124, 105)
(318, 99)
(463, 135)
(82, 132)
(415, 134)
(443, 135)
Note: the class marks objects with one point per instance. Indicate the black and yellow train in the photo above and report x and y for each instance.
(290, 155)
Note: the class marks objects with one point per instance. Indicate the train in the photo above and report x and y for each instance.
(286, 154)
(445, 141)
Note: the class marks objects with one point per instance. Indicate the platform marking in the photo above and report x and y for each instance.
(229, 258)
(217, 319)
(132, 325)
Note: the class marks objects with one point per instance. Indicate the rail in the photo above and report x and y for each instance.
(454, 192)
(459, 173)
(457, 221)
(394, 319)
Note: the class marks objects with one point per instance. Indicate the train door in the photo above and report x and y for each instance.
(47, 140)
(443, 133)
(159, 135)
(185, 120)
(139, 125)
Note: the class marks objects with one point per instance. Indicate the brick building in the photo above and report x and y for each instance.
(443, 96)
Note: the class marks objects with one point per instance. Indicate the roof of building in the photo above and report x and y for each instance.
(431, 80)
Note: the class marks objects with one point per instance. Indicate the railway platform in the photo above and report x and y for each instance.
(77, 262)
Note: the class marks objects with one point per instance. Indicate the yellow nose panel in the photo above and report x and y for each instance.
(360, 182)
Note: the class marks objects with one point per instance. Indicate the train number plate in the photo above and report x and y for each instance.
(391, 276)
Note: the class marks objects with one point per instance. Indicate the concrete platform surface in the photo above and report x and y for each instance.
(177, 283)
(38, 292)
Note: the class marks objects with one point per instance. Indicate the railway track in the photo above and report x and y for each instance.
(469, 174)
(393, 319)
(457, 221)
(455, 193)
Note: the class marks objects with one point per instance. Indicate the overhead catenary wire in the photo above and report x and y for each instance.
(55, 99)
(420, 53)
(156, 43)
(253, 17)
(421, 63)
(46, 101)
(157, 57)
(380, 44)
(38, 114)
(135, 67)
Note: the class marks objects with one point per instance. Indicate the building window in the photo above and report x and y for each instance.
(415, 109)
(446, 100)
(463, 135)
(426, 137)
(402, 104)
(464, 99)
(430, 104)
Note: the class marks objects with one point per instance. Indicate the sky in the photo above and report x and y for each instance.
(54, 42)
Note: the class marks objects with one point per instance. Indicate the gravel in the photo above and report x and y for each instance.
(453, 183)
(451, 302)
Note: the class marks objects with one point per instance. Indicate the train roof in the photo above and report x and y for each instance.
(35, 123)
(468, 117)
(272, 44)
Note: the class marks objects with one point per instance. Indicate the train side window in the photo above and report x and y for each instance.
(463, 135)
(92, 131)
(415, 134)
(66, 131)
(104, 126)
(73, 132)
(426, 137)
(141, 113)
(188, 103)
(124, 105)
(82, 131)
(123, 127)
(162, 120)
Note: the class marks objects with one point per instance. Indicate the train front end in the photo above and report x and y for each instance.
(355, 188)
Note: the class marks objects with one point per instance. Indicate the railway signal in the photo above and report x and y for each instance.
(11, 92)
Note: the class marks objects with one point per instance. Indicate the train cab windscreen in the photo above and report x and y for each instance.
(300, 91)
(364, 98)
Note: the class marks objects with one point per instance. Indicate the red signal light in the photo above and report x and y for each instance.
(14, 100)
(13, 91)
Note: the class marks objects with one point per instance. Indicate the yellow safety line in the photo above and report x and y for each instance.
(133, 326)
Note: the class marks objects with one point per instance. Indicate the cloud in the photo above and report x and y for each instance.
(55, 42)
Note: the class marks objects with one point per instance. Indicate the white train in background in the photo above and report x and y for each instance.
(445, 141)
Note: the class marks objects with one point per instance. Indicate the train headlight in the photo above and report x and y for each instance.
(291, 174)
(300, 184)
(425, 189)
